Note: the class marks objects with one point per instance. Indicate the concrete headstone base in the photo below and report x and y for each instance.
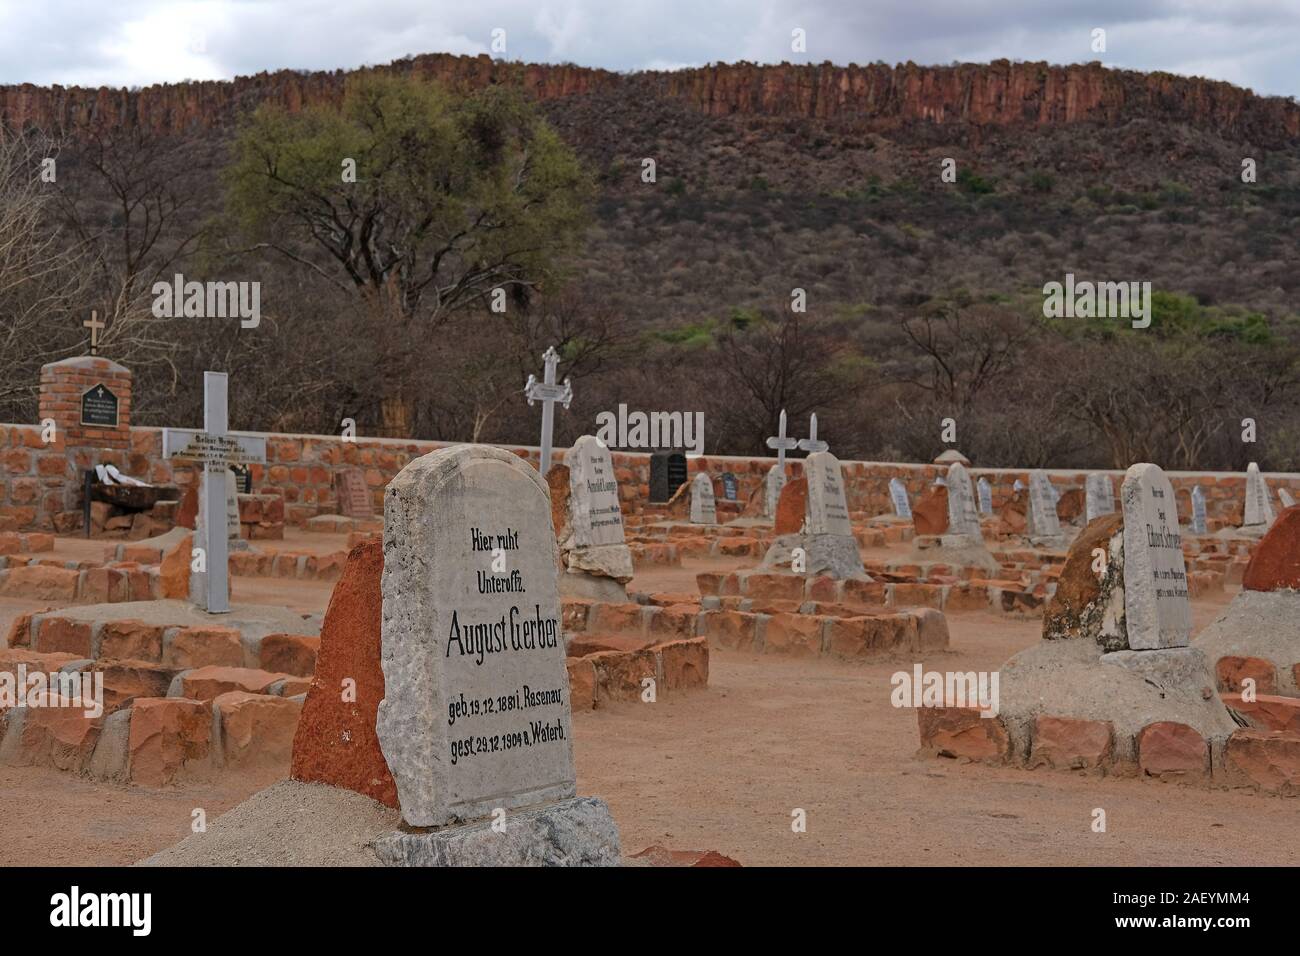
(574, 832)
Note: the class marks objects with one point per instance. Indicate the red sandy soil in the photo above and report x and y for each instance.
(723, 768)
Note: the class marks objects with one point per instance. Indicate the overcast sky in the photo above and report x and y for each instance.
(1254, 43)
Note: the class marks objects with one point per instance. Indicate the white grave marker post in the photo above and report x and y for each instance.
(1100, 496)
(1043, 521)
(902, 504)
(963, 519)
(1198, 511)
(548, 393)
(986, 495)
(217, 450)
(1284, 496)
(776, 475)
(704, 509)
(1157, 612)
(1259, 508)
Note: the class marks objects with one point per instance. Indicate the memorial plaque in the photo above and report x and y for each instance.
(476, 710)
(594, 510)
(704, 509)
(1157, 612)
(729, 486)
(828, 510)
(354, 494)
(99, 407)
(667, 474)
(898, 494)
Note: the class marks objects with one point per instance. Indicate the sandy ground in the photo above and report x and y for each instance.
(724, 768)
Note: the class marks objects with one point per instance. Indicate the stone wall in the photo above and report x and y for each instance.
(38, 484)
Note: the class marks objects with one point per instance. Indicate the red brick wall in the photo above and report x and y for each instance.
(35, 488)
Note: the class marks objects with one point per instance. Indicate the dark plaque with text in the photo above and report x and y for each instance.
(99, 407)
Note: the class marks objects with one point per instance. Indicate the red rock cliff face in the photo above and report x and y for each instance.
(882, 97)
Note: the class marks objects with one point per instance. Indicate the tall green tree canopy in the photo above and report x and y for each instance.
(453, 196)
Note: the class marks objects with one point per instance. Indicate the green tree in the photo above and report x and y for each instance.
(454, 196)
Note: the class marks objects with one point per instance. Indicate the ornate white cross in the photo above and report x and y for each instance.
(548, 393)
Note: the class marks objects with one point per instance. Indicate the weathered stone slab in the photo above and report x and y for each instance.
(898, 495)
(576, 832)
(828, 511)
(475, 714)
(772, 486)
(1157, 610)
(1100, 495)
(1043, 522)
(704, 507)
(1259, 507)
(963, 518)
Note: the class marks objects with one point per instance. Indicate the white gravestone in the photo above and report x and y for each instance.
(828, 510)
(772, 486)
(1259, 509)
(593, 500)
(1198, 511)
(985, 491)
(1100, 496)
(1043, 520)
(898, 493)
(1284, 496)
(475, 724)
(962, 516)
(1157, 611)
(704, 509)
(595, 544)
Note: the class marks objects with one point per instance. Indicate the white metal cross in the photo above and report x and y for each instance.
(548, 393)
(781, 443)
(94, 325)
(217, 450)
(811, 444)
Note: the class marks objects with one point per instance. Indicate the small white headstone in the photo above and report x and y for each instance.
(985, 491)
(1157, 611)
(898, 493)
(704, 510)
(1284, 496)
(1100, 496)
(1259, 509)
(594, 510)
(772, 486)
(963, 519)
(828, 510)
(1198, 511)
(1043, 521)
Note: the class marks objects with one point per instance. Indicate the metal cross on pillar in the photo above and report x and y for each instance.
(781, 444)
(811, 444)
(548, 393)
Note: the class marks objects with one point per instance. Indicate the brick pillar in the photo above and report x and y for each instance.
(80, 445)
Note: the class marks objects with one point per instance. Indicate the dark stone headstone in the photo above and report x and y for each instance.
(729, 486)
(243, 479)
(667, 474)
